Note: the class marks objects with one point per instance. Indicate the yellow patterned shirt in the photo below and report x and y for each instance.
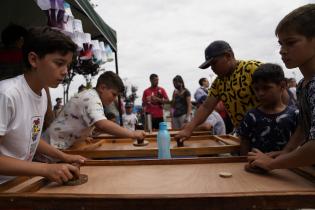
(236, 90)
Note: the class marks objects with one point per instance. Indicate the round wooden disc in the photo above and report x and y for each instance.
(255, 170)
(145, 143)
(225, 174)
(77, 181)
(180, 143)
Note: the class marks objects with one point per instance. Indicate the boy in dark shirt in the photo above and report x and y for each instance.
(296, 36)
(269, 126)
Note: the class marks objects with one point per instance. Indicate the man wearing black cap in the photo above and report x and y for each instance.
(232, 86)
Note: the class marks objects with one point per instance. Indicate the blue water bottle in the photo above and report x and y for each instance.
(164, 141)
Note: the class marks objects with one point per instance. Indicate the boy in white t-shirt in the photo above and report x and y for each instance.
(85, 110)
(47, 54)
(129, 119)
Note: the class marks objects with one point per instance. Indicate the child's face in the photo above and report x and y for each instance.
(296, 50)
(221, 65)
(268, 92)
(206, 83)
(52, 68)
(128, 110)
(107, 95)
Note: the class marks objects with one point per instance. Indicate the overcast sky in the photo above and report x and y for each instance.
(168, 37)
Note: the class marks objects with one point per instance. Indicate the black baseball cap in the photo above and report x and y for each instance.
(215, 49)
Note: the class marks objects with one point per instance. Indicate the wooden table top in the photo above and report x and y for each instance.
(153, 134)
(168, 184)
(195, 146)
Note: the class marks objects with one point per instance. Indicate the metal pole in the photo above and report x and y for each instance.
(119, 97)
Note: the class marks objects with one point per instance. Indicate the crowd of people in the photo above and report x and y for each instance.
(274, 119)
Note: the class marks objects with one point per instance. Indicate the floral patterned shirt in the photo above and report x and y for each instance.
(80, 113)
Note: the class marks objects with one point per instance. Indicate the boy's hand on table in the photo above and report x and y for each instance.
(61, 173)
(256, 158)
(138, 134)
(74, 159)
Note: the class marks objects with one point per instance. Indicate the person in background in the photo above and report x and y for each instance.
(58, 107)
(213, 123)
(181, 103)
(153, 99)
(269, 126)
(129, 118)
(85, 111)
(292, 86)
(236, 94)
(111, 116)
(288, 97)
(296, 36)
(47, 53)
(202, 91)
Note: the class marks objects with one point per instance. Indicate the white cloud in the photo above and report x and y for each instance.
(169, 37)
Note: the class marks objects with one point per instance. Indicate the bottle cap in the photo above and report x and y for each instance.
(163, 125)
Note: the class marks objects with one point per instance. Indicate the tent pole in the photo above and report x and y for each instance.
(119, 97)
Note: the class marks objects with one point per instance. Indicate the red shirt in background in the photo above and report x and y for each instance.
(149, 105)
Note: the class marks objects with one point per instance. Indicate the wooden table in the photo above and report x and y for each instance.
(166, 184)
(123, 148)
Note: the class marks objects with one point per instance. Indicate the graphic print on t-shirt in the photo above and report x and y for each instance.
(35, 133)
(35, 128)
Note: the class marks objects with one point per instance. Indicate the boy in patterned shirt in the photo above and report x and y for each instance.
(269, 126)
(296, 35)
(232, 86)
(85, 110)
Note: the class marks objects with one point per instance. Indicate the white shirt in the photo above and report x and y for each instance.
(21, 119)
(81, 112)
(130, 121)
(217, 123)
(201, 91)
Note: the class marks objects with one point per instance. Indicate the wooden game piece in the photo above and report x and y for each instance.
(140, 143)
(254, 169)
(225, 174)
(180, 143)
(83, 178)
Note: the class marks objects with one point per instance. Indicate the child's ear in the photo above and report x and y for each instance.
(32, 59)
(229, 56)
